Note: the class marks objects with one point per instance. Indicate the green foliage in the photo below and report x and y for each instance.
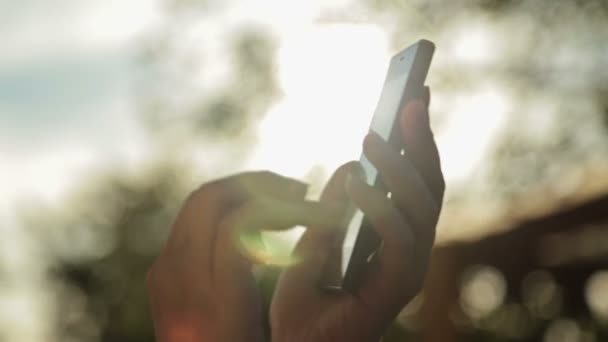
(102, 246)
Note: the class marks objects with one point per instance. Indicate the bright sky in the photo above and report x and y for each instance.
(329, 98)
(66, 108)
(65, 102)
(64, 96)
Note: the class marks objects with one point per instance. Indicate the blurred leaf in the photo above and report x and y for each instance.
(223, 116)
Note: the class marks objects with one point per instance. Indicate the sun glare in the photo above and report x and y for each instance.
(331, 77)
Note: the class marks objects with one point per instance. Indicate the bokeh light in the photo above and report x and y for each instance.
(563, 330)
(541, 294)
(596, 294)
(483, 290)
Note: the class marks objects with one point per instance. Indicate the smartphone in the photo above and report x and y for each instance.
(358, 242)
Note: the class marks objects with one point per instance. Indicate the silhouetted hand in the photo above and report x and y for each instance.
(201, 287)
(301, 311)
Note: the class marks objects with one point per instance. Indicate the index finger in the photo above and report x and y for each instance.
(202, 211)
(267, 213)
(233, 190)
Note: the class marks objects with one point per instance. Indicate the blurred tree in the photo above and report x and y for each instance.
(103, 241)
(100, 247)
(182, 106)
(545, 57)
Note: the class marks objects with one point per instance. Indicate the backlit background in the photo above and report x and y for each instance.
(110, 112)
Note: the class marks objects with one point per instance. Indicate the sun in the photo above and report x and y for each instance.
(331, 76)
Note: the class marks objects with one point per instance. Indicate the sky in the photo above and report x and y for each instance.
(66, 96)
(65, 73)
(65, 78)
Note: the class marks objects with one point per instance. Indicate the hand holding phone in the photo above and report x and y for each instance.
(405, 222)
(359, 242)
